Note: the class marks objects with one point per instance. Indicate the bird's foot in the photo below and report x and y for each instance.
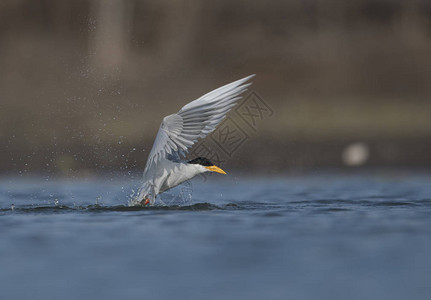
(146, 201)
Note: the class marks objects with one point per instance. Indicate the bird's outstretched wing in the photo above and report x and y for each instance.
(195, 120)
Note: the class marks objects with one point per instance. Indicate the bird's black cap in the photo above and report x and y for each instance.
(201, 161)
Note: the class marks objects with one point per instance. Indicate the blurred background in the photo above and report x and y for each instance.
(84, 84)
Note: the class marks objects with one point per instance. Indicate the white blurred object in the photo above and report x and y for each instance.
(356, 154)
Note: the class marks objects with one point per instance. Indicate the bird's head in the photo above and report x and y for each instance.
(206, 164)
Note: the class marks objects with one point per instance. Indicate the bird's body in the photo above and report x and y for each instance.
(169, 174)
(177, 133)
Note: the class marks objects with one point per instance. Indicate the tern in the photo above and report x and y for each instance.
(178, 132)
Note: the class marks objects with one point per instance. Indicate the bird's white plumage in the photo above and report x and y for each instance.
(180, 131)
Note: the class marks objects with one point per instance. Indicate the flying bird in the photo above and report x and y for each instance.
(178, 132)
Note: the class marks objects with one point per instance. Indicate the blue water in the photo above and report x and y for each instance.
(318, 236)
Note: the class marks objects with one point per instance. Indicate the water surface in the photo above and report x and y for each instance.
(320, 236)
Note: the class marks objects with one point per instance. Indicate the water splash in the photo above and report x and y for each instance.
(119, 208)
(180, 195)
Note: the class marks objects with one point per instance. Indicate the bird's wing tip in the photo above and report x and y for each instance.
(245, 79)
(248, 77)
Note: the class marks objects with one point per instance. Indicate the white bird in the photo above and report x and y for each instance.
(178, 132)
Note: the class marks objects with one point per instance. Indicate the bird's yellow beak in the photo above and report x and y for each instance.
(215, 169)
